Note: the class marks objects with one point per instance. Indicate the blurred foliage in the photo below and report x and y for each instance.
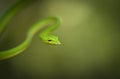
(89, 35)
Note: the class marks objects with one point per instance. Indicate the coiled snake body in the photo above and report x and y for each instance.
(44, 35)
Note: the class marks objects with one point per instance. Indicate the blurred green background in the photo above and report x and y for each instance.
(89, 34)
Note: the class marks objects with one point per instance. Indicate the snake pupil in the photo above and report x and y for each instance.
(49, 40)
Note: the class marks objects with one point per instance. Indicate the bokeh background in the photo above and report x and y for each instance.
(89, 34)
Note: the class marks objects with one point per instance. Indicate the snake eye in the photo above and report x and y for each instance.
(49, 40)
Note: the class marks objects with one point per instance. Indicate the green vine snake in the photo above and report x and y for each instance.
(45, 35)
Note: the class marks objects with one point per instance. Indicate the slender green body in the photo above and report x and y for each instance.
(11, 12)
(44, 35)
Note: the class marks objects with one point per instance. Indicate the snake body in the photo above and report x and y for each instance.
(45, 35)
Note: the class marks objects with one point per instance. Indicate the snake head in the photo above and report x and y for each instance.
(50, 39)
